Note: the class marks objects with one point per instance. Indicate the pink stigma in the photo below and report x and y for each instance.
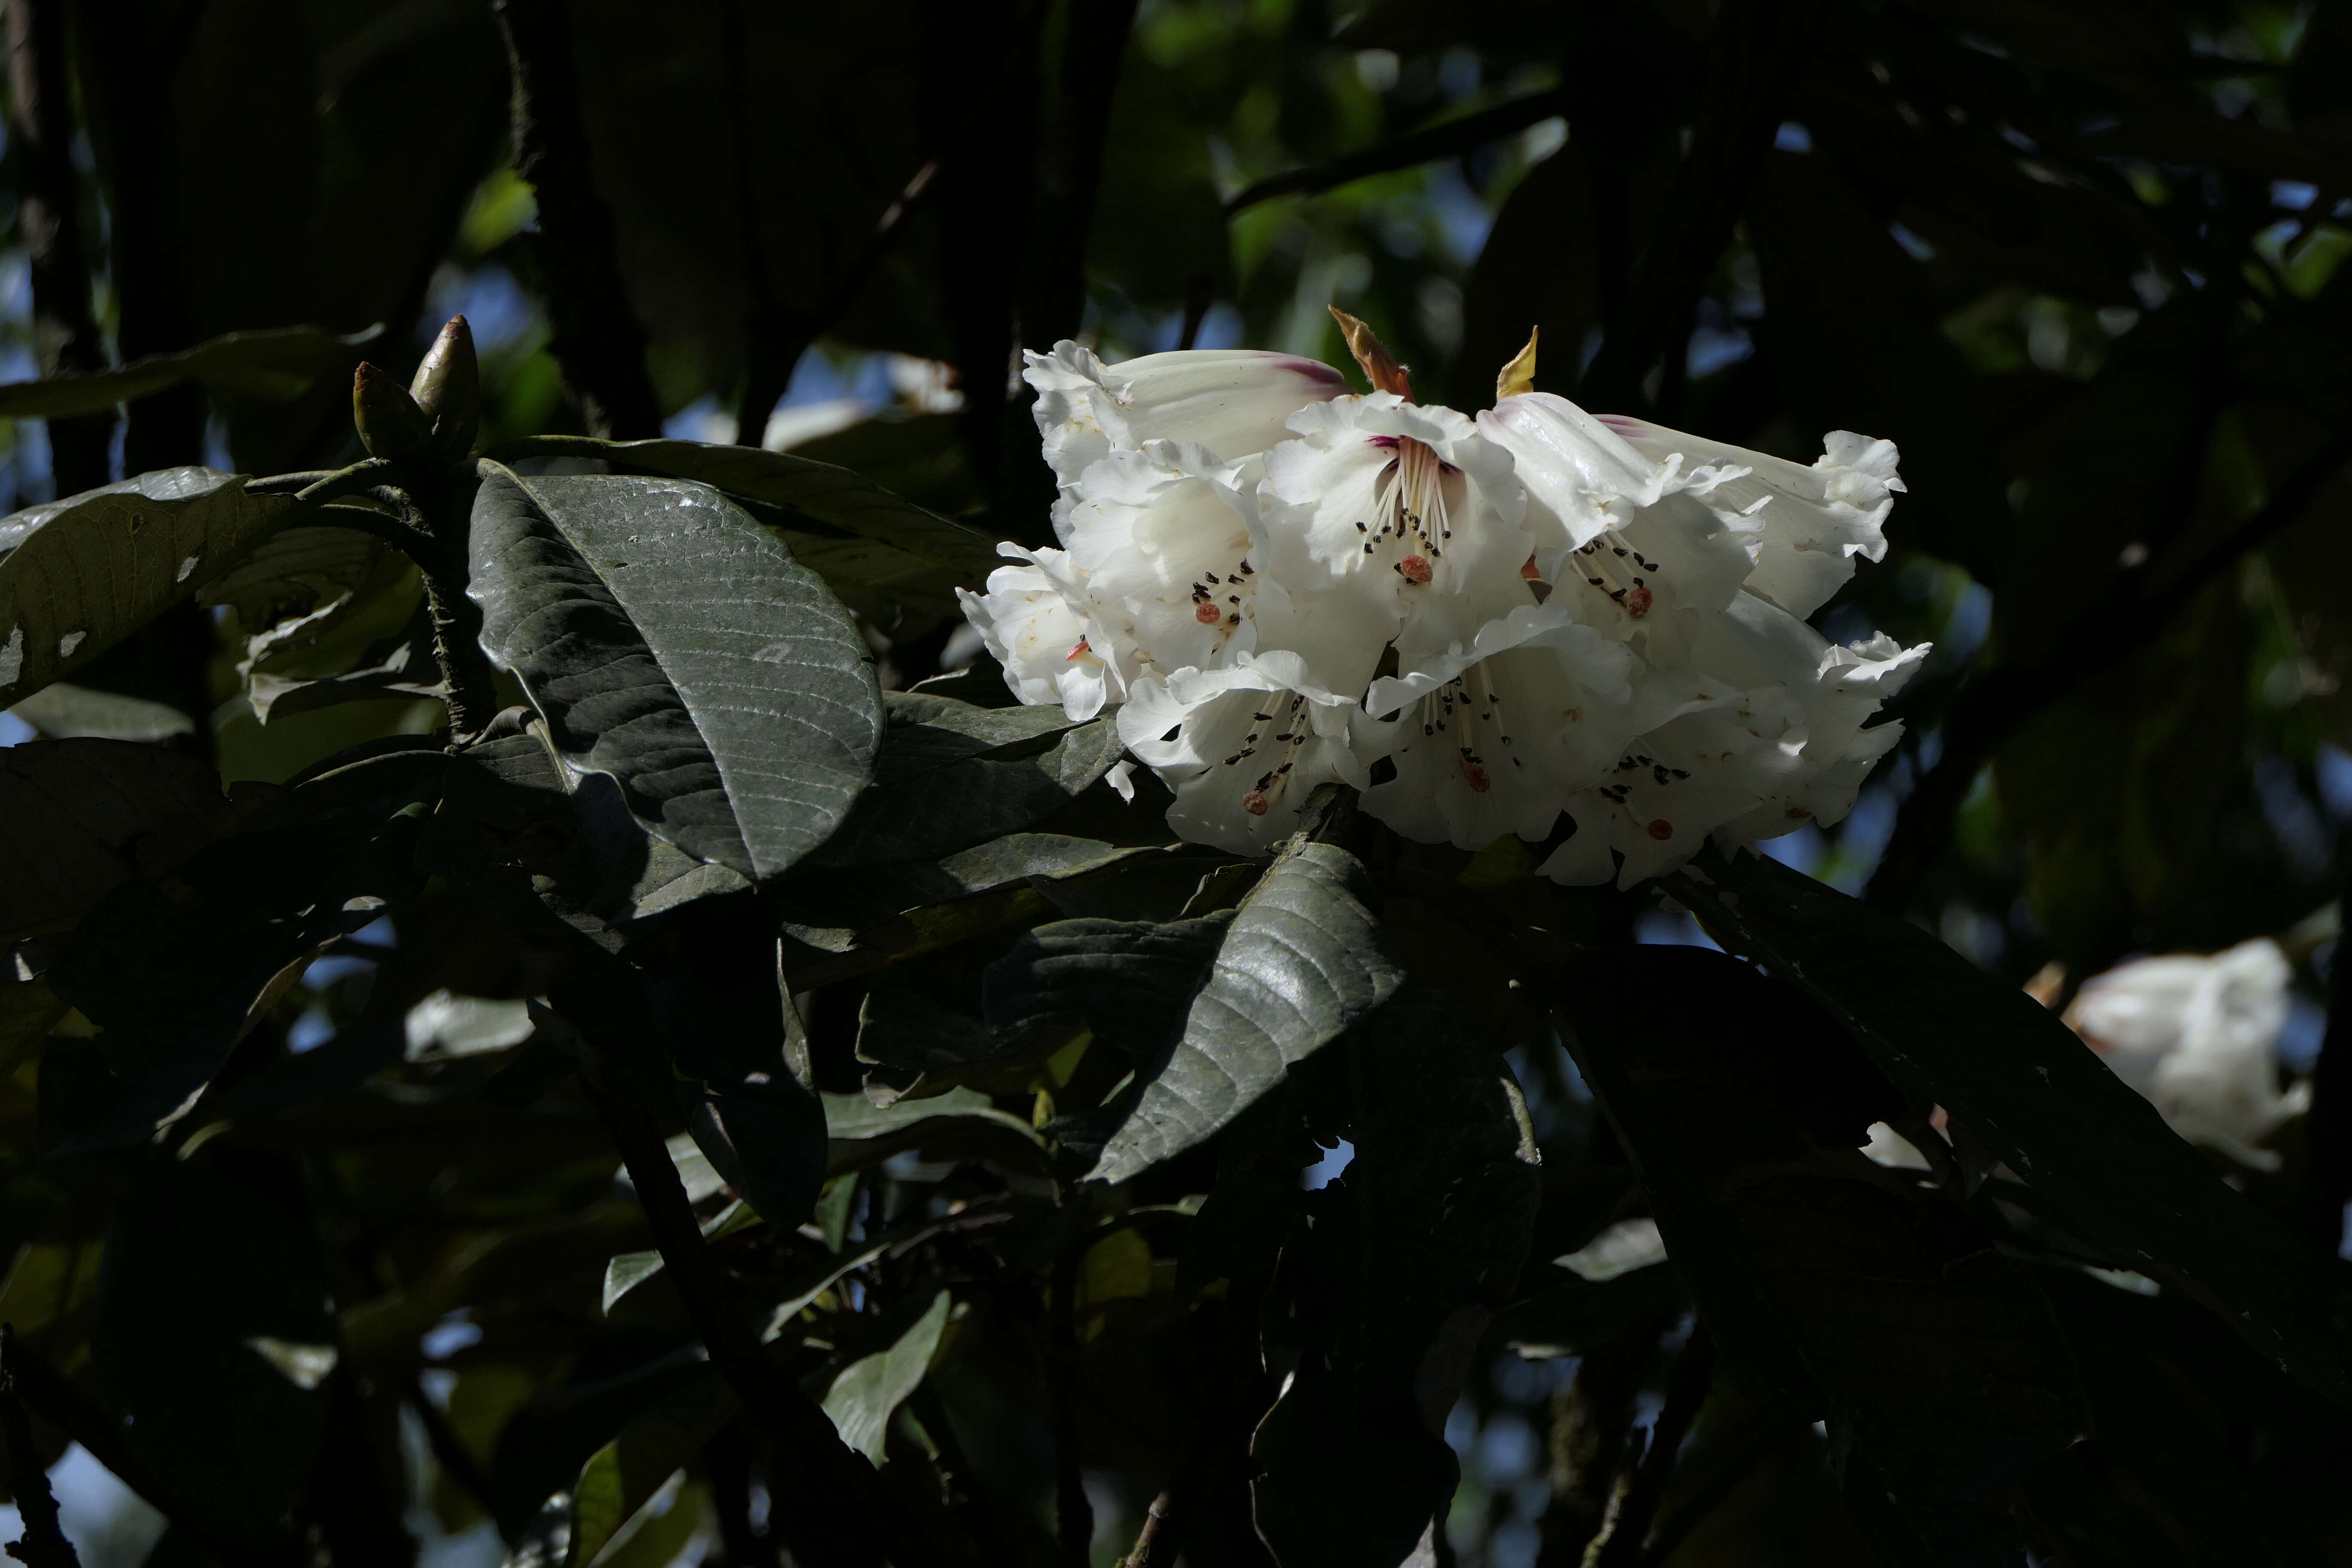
(1255, 804)
(1662, 828)
(1075, 652)
(1475, 777)
(1206, 614)
(1416, 570)
(1637, 603)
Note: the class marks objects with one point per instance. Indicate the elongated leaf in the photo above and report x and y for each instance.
(868, 1391)
(277, 362)
(950, 775)
(672, 643)
(77, 576)
(2024, 1085)
(79, 818)
(959, 1124)
(1839, 1288)
(1304, 958)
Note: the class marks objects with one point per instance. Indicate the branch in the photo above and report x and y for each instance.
(595, 333)
(1450, 139)
(42, 1389)
(835, 1508)
(44, 1543)
(64, 334)
(1636, 1505)
(1997, 704)
(449, 1449)
(126, 79)
(1753, 65)
(779, 334)
(1147, 1539)
(1092, 53)
(1074, 1511)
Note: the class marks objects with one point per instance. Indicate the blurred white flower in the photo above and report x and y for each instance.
(1628, 1245)
(2197, 1035)
(1533, 611)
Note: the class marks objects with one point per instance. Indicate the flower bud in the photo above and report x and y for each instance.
(390, 423)
(448, 389)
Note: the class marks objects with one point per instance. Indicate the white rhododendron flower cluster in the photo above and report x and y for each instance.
(1481, 623)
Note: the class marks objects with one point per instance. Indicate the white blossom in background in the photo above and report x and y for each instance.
(2198, 1035)
(1504, 617)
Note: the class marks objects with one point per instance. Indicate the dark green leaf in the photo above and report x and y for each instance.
(914, 541)
(673, 644)
(867, 1392)
(950, 775)
(1834, 1287)
(2022, 1084)
(1304, 958)
(79, 818)
(1128, 981)
(1413, 1250)
(212, 1336)
(77, 576)
(959, 1124)
(279, 363)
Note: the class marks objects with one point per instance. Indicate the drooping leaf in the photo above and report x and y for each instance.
(77, 576)
(79, 818)
(1128, 981)
(673, 644)
(2020, 1082)
(276, 363)
(1833, 1286)
(959, 1124)
(1303, 959)
(867, 1392)
(950, 775)
(624, 1475)
(204, 1279)
(1413, 1250)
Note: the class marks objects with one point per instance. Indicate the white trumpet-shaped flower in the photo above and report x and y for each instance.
(1633, 544)
(1243, 747)
(1038, 625)
(1232, 401)
(1161, 538)
(1399, 524)
(1493, 738)
(1773, 735)
(1808, 523)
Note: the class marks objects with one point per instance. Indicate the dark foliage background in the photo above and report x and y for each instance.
(2080, 259)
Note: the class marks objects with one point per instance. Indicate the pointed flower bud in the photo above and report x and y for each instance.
(1519, 376)
(1380, 365)
(390, 423)
(448, 389)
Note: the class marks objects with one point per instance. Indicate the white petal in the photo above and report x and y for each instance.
(1232, 401)
(1162, 535)
(1811, 522)
(1035, 622)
